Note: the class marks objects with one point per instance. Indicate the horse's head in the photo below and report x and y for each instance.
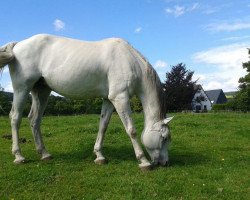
(156, 141)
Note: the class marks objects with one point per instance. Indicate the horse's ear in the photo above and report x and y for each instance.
(167, 120)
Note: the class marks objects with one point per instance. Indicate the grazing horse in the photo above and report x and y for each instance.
(111, 69)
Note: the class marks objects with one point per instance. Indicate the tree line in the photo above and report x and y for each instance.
(58, 105)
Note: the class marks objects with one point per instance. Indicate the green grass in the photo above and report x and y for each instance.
(209, 159)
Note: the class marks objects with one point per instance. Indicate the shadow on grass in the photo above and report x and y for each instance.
(111, 153)
(186, 158)
(120, 153)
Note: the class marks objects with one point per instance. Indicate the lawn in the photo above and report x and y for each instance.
(209, 159)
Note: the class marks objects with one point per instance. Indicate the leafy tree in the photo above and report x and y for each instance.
(179, 88)
(245, 81)
(5, 103)
(242, 98)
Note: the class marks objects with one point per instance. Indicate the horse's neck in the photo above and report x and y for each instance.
(151, 107)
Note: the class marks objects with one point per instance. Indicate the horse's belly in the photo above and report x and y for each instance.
(80, 86)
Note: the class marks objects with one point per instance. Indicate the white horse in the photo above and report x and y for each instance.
(111, 69)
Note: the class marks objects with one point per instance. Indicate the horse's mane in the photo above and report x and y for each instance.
(155, 80)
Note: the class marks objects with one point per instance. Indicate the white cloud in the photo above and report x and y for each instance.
(226, 64)
(59, 25)
(199, 77)
(9, 87)
(228, 27)
(176, 11)
(181, 10)
(138, 29)
(236, 38)
(193, 7)
(227, 57)
(160, 64)
(6, 70)
(213, 85)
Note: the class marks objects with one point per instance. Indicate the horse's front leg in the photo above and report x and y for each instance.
(122, 106)
(16, 118)
(107, 110)
(39, 101)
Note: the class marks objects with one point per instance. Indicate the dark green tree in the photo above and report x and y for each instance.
(5, 102)
(242, 98)
(245, 81)
(179, 88)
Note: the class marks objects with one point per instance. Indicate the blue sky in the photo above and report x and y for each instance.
(210, 37)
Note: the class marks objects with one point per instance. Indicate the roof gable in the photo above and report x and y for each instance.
(216, 96)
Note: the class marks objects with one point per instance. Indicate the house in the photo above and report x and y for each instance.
(204, 100)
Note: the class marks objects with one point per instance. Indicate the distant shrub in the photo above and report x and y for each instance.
(218, 107)
(136, 105)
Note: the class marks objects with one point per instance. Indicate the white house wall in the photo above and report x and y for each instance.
(206, 103)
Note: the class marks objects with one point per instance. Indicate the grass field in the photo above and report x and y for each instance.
(209, 159)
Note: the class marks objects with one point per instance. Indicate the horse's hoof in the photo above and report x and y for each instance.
(145, 166)
(100, 161)
(46, 157)
(19, 160)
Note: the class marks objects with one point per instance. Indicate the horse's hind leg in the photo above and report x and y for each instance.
(107, 110)
(40, 96)
(122, 106)
(19, 100)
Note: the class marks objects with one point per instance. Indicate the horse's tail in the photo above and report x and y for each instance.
(6, 54)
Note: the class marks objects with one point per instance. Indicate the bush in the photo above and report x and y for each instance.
(58, 105)
(136, 105)
(218, 107)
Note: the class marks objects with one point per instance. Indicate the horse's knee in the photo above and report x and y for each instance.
(131, 132)
(15, 119)
(33, 118)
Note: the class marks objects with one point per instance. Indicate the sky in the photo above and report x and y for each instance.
(210, 37)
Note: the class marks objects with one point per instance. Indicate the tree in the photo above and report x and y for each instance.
(5, 102)
(245, 81)
(179, 88)
(242, 98)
